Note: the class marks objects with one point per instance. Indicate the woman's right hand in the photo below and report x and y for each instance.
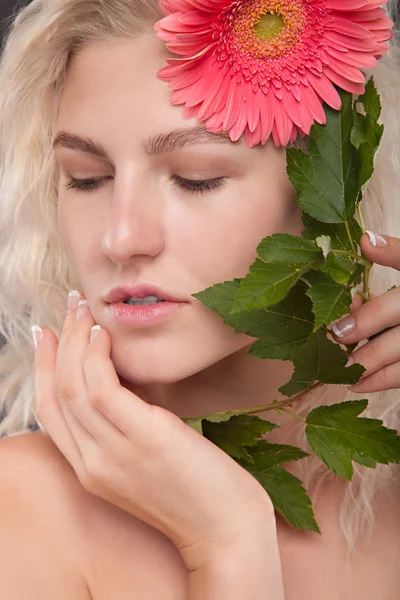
(145, 459)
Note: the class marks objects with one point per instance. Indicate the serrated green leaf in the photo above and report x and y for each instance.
(324, 178)
(331, 300)
(219, 297)
(338, 436)
(235, 435)
(282, 328)
(370, 100)
(266, 284)
(340, 268)
(286, 249)
(320, 360)
(285, 490)
(197, 422)
(337, 232)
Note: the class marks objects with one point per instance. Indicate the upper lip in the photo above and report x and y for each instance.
(121, 293)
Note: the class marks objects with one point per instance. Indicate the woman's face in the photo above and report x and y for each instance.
(145, 223)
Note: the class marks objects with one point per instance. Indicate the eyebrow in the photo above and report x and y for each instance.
(155, 145)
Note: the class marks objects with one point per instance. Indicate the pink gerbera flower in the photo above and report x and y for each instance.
(262, 67)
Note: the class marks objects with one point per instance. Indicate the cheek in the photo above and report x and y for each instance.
(226, 245)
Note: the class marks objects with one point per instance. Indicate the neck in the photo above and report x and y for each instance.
(238, 381)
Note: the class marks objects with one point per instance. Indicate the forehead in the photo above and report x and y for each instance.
(112, 91)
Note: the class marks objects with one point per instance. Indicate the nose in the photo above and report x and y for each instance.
(134, 224)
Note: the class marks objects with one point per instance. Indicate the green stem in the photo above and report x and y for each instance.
(275, 405)
(362, 224)
(350, 236)
(294, 415)
(346, 253)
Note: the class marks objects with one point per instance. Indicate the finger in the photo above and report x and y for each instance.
(119, 405)
(387, 378)
(71, 386)
(47, 407)
(357, 303)
(378, 353)
(374, 316)
(381, 249)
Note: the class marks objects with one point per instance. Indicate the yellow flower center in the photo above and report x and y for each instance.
(269, 26)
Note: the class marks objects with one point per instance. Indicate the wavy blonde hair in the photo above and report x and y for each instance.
(35, 271)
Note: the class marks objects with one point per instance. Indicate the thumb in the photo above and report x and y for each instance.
(381, 249)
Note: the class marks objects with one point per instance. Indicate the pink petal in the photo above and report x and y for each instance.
(325, 89)
(356, 59)
(345, 84)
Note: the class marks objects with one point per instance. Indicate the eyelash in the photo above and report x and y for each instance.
(190, 185)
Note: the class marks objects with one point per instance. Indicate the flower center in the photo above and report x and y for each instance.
(269, 26)
(266, 29)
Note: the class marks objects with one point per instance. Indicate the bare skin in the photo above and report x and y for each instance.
(111, 553)
(99, 552)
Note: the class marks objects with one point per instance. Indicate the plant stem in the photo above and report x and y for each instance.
(293, 415)
(264, 407)
(350, 236)
(347, 253)
(360, 217)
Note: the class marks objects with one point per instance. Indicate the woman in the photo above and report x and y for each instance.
(105, 184)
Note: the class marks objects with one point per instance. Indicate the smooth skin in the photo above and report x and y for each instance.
(111, 406)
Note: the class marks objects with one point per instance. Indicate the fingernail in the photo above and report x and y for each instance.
(73, 299)
(83, 309)
(350, 361)
(95, 332)
(37, 334)
(344, 327)
(376, 239)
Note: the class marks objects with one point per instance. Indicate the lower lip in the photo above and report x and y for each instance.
(141, 314)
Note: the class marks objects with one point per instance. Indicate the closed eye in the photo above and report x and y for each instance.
(189, 185)
(198, 185)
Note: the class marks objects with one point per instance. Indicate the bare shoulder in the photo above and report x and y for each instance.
(110, 553)
(39, 549)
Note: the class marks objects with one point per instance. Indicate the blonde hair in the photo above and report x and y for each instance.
(35, 270)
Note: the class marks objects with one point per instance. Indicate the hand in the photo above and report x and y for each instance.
(381, 355)
(139, 457)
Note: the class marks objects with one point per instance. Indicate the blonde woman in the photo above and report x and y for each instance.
(111, 191)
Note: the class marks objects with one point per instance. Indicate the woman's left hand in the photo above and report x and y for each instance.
(381, 355)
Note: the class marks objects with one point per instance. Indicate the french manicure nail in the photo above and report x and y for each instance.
(83, 309)
(73, 299)
(376, 239)
(37, 334)
(344, 326)
(95, 332)
(350, 361)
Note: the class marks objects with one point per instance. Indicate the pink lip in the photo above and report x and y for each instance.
(121, 293)
(144, 315)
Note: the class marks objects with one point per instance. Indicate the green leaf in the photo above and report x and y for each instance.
(286, 249)
(236, 434)
(266, 284)
(337, 232)
(367, 132)
(219, 297)
(285, 490)
(320, 360)
(197, 422)
(282, 328)
(324, 178)
(340, 268)
(331, 300)
(338, 436)
(370, 100)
